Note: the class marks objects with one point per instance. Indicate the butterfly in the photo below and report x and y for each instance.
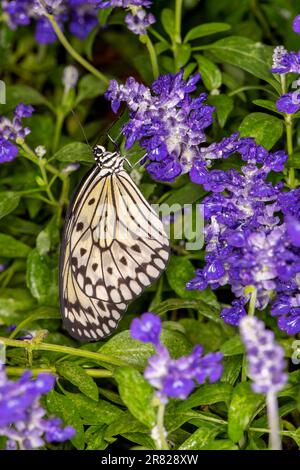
(114, 246)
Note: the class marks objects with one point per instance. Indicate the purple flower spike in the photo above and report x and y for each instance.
(146, 329)
(22, 418)
(265, 356)
(174, 378)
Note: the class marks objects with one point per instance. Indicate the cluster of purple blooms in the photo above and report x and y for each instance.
(252, 237)
(137, 18)
(22, 418)
(288, 62)
(11, 130)
(168, 123)
(174, 378)
(81, 16)
(266, 363)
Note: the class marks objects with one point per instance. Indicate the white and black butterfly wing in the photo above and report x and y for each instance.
(114, 247)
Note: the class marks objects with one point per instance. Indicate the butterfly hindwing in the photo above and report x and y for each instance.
(114, 247)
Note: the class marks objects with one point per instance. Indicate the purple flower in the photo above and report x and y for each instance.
(284, 61)
(10, 130)
(166, 121)
(235, 313)
(293, 230)
(80, 15)
(22, 419)
(139, 22)
(289, 103)
(146, 329)
(296, 24)
(174, 378)
(8, 151)
(265, 356)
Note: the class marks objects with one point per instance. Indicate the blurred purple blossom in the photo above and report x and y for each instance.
(265, 356)
(11, 130)
(174, 378)
(22, 418)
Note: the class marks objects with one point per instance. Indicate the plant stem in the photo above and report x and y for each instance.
(30, 155)
(251, 311)
(64, 350)
(178, 19)
(273, 421)
(69, 48)
(161, 442)
(152, 53)
(17, 371)
(289, 136)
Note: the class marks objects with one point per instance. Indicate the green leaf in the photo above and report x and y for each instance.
(48, 237)
(12, 248)
(61, 406)
(224, 106)
(183, 55)
(42, 278)
(74, 152)
(267, 104)
(13, 301)
(78, 377)
(201, 437)
(137, 394)
(180, 270)
(208, 394)
(233, 346)
(103, 16)
(294, 161)
(266, 129)
(94, 413)
(94, 438)
(90, 87)
(210, 73)
(244, 53)
(220, 444)
(16, 94)
(187, 194)
(124, 424)
(205, 30)
(168, 21)
(231, 368)
(209, 334)
(9, 201)
(122, 346)
(244, 404)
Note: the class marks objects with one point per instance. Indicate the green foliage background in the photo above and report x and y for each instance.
(100, 388)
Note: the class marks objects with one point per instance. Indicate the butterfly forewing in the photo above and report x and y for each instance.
(114, 247)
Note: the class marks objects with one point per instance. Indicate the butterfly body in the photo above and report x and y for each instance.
(114, 246)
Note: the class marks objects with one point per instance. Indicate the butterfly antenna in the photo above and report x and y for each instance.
(109, 128)
(81, 127)
(140, 160)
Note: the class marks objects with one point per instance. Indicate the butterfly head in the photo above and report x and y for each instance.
(111, 161)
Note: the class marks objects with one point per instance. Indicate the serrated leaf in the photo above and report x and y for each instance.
(266, 129)
(16, 94)
(94, 413)
(208, 394)
(210, 73)
(61, 406)
(206, 29)
(94, 438)
(137, 394)
(233, 346)
(243, 406)
(12, 248)
(13, 301)
(9, 201)
(267, 104)
(201, 437)
(74, 152)
(125, 423)
(78, 377)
